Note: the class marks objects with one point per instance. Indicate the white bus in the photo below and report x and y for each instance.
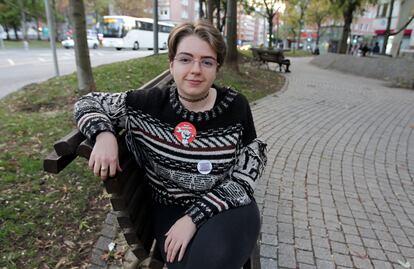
(134, 33)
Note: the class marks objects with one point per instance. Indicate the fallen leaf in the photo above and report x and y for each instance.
(119, 254)
(105, 256)
(61, 262)
(69, 244)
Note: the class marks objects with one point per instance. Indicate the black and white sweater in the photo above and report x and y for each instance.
(217, 168)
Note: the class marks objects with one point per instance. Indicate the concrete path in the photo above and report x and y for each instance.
(338, 191)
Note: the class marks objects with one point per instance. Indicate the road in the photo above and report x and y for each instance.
(19, 68)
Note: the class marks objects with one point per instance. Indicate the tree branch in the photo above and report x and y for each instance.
(402, 28)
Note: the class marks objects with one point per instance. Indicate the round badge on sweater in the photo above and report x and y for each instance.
(185, 132)
(204, 167)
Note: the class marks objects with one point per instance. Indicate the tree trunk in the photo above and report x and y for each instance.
(6, 29)
(231, 37)
(348, 13)
(223, 19)
(209, 7)
(404, 19)
(86, 82)
(270, 23)
(37, 28)
(55, 21)
(23, 22)
(318, 31)
(218, 14)
(388, 29)
(302, 15)
(15, 32)
(200, 9)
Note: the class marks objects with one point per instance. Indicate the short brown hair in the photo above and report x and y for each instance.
(202, 29)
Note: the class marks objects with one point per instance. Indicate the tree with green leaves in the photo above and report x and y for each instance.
(317, 13)
(10, 16)
(86, 82)
(132, 8)
(301, 7)
(98, 8)
(36, 10)
(291, 23)
(348, 9)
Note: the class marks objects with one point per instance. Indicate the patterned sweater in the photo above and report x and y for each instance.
(206, 161)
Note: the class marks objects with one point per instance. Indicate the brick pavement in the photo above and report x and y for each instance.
(338, 191)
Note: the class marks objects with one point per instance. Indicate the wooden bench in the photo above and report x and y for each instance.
(130, 196)
(263, 56)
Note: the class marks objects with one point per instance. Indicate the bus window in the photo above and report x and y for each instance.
(112, 28)
(147, 26)
(165, 29)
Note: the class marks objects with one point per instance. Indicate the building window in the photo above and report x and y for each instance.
(184, 14)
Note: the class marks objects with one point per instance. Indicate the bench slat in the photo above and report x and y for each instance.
(69, 143)
(54, 163)
(84, 149)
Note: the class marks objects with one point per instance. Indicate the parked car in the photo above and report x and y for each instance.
(93, 43)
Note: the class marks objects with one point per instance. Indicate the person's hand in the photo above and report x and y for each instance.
(178, 238)
(104, 157)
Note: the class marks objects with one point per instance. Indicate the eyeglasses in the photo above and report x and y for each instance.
(187, 61)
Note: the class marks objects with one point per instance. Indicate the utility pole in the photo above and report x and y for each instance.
(50, 24)
(155, 27)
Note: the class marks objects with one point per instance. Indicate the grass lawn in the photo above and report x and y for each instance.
(291, 53)
(34, 44)
(52, 221)
(298, 53)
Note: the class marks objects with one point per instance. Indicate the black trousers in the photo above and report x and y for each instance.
(223, 242)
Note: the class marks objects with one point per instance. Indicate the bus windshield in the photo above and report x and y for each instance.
(113, 27)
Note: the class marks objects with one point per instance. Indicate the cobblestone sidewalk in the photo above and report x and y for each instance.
(338, 191)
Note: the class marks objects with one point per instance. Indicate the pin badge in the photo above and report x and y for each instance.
(204, 167)
(185, 132)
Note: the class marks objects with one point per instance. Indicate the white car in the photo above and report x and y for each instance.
(93, 43)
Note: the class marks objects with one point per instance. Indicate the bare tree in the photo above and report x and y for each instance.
(270, 7)
(317, 13)
(86, 82)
